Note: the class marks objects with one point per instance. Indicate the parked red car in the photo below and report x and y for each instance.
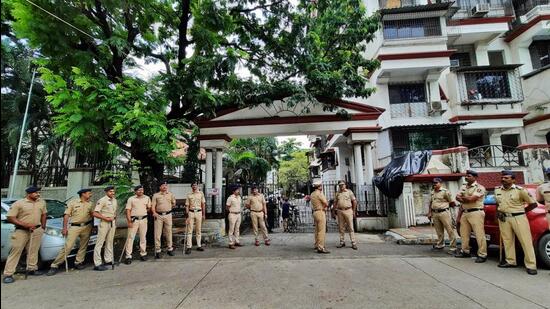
(537, 222)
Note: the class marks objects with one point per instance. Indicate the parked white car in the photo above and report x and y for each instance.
(52, 241)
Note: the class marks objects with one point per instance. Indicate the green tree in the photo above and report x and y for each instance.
(216, 54)
(293, 171)
(245, 167)
(287, 147)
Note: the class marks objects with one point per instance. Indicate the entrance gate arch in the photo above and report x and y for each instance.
(357, 126)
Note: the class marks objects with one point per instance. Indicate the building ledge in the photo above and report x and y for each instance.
(417, 8)
(536, 72)
(505, 67)
(430, 177)
(533, 146)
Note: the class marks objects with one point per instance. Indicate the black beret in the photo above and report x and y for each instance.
(437, 180)
(235, 187)
(109, 188)
(507, 173)
(547, 171)
(138, 187)
(472, 172)
(32, 189)
(83, 191)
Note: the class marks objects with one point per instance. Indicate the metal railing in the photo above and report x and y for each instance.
(523, 7)
(50, 176)
(411, 28)
(482, 8)
(405, 110)
(495, 156)
(393, 4)
(490, 86)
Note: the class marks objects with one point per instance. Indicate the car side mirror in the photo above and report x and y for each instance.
(4, 218)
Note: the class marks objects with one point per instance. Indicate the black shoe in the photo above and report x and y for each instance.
(157, 255)
(341, 245)
(35, 273)
(170, 253)
(323, 251)
(143, 258)
(200, 249)
(437, 248)
(52, 271)
(128, 261)
(462, 254)
(480, 259)
(187, 250)
(354, 247)
(238, 245)
(108, 264)
(8, 279)
(100, 268)
(80, 266)
(506, 265)
(532, 271)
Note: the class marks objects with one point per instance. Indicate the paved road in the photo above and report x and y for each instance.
(289, 274)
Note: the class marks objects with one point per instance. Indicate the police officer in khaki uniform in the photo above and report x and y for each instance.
(137, 207)
(471, 197)
(512, 221)
(79, 211)
(319, 205)
(106, 211)
(195, 207)
(346, 207)
(161, 206)
(440, 202)
(29, 217)
(543, 195)
(258, 213)
(233, 205)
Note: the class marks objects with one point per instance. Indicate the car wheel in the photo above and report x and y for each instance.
(543, 250)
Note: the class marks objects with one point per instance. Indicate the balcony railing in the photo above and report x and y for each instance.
(394, 4)
(489, 84)
(526, 6)
(495, 156)
(405, 110)
(482, 8)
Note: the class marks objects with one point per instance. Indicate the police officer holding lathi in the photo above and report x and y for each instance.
(440, 212)
(511, 200)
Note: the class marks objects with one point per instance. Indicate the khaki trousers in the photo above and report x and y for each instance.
(23, 239)
(473, 221)
(320, 220)
(141, 226)
(517, 226)
(105, 235)
(163, 224)
(194, 220)
(345, 218)
(234, 228)
(548, 219)
(442, 223)
(258, 218)
(82, 232)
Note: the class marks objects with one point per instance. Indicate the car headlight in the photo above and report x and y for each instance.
(53, 232)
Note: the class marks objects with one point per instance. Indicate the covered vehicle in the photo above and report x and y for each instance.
(52, 240)
(537, 222)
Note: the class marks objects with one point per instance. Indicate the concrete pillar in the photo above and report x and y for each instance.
(359, 177)
(496, 152)
(339, 166)
(218, 179)
(482, 57)
(22, 181)
(208, 179)
(369, 163)
(78, 178)
(524, 58)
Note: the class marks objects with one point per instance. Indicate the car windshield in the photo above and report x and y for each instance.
(56, 209)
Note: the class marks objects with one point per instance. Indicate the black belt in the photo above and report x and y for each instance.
(235, 212)
(165, 213)
(345, 208)
(196, 210)
(318, 210)
(440, 210)
(512, 214)
(473, 209)
(17, 227)
(256, 210)
(134, 218)
(82, 224)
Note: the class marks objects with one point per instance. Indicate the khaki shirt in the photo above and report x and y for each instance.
(194, 200)
(106, 206)
(28, 211)
(234, 203)
(344, 199)
(318, 200)
(79, 211)
(138, 205)
(163, 201)
(513, 200)
(441, 199)
(543, 194)
(474, 190)
(256, 202)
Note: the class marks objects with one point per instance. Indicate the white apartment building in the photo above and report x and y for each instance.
(460, 76)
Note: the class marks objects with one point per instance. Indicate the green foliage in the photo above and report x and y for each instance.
(245, 167)
(288, 147)
(122, 181)
(294, 171)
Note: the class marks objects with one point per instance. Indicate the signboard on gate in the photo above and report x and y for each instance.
(213, 191)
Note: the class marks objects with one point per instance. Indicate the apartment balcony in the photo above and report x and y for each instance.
(489, 85)
(526, 10)
(495, 156)
(397, 4)
(482, 8)
(408, 110)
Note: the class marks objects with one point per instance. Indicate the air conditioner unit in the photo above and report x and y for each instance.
(437, 107)
(481, 9)
(455, 63)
